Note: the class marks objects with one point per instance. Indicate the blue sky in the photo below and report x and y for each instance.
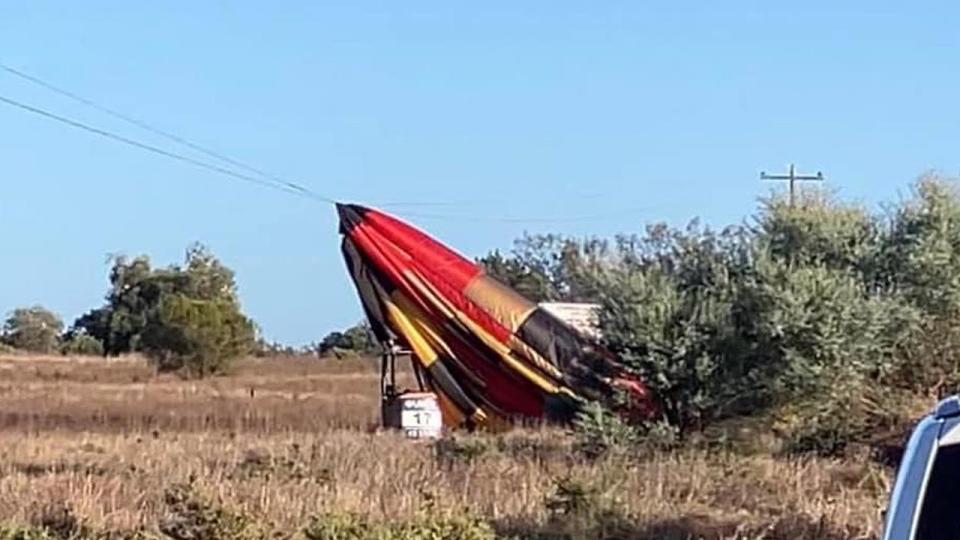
(638, 111)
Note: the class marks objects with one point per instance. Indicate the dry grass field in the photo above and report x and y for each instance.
(284, 440)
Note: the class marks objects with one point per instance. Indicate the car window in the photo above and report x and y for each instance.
(940, 513)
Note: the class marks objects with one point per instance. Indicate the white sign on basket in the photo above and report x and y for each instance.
(421, 417)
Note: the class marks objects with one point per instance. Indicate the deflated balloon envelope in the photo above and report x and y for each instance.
(491, 356)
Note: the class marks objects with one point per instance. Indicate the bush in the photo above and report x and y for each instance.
(674, 309)
(600, 432)
(20, 532)
(356, 340)
(426, 526)
(845, 413)
(930, 362)
(197, 337)
(192, 516)
(82, 345)
(580, 508)
(340, 526)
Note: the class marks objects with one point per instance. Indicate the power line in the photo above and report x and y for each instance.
(183, 141)
(160, 151)
(158, 131)
(262, 178)
(273, 185)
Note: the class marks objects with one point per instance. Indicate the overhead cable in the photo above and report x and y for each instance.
(161, 132)
(157, 150)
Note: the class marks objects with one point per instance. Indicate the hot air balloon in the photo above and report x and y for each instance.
(491, 356)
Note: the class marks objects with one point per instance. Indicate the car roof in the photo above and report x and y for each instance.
(948, 408)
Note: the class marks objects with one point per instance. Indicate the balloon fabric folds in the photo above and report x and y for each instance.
(491, 356)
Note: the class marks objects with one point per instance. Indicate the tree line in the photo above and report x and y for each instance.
(183, 318)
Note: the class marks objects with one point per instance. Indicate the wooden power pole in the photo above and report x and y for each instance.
(792, 177)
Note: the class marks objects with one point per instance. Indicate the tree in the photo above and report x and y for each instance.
(755, 318)
(33, 329)
(355, 340)
(921, 255)
(184, 317)
(549, 268)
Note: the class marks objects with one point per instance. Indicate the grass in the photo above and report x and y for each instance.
(82, 394)
(108, 440)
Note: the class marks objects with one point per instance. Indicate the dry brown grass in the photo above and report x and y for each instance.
(84, 394)
(109, 437)
(117, 481)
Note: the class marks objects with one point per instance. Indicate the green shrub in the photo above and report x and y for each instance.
(341, 526)
(847, 412)
(424, 526)
(600, 432)
(675, 309)
(746, 320)
(22, 532)
(192, 516)
(356, 340)
(581, 509)
(81, 345)
(197, 337)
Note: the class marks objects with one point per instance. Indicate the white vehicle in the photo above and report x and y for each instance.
(925, 503)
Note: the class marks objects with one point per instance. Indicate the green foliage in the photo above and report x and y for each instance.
(573, 497)
(580, 508)
(183, 317)
(930, 362)
(920, 257)
(745, 320)
(819, 231)
(33, 329)
(600, 432)
(772, 317)
(339, 526)
(81, 345)
(823, 323)
(192, 516)
(357, 339)
(199, 337)
(675, 310)
(21, 532)
(845, 411)
(425, 526)
(547, 267)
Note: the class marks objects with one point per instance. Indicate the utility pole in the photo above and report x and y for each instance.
(792, 177)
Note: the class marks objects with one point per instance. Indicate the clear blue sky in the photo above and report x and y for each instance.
(646, 111)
